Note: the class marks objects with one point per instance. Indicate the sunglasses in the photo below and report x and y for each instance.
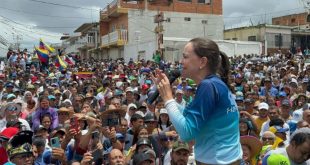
(12, 108)
(267, 139)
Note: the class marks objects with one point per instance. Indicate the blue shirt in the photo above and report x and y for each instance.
(212, 120)
(272, 92)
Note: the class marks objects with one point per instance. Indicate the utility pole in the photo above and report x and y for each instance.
(17, 38)
(159, 29)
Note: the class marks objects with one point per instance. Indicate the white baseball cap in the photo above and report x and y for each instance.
(163, 111)
(263, 105)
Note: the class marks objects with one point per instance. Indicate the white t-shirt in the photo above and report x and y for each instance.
(24, 124)
(265, 127)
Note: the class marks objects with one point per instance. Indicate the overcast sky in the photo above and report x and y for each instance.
(31, 19)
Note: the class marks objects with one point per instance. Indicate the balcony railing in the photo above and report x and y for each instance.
(120, 6)
(118, 37)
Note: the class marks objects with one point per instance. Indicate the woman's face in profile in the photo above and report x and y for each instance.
(190, 61)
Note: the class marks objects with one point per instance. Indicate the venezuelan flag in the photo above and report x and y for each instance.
(61, 62)
(43, 45)
(84, 75)
(42, 55)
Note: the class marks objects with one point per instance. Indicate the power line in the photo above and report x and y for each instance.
(55, 27)
(39, 14)
(63, 5)
(49, 27)
(29, 31)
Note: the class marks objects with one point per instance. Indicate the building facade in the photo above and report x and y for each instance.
(300, 29)
(291, 20)
(127, 28)
(272, 37)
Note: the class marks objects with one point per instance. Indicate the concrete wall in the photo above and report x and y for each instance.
(242, 34)
(143, 22)
(115, 53)
(132, 50)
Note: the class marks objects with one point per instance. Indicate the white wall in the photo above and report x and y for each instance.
(131, 50)
(114, 53)
(143, 21)
(229, 47)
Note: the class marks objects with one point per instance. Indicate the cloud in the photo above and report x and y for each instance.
(241, 11)
(37, 19)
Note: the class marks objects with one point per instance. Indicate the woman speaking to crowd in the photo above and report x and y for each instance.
(212, 119)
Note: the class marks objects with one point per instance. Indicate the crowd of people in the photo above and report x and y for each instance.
(96, 112)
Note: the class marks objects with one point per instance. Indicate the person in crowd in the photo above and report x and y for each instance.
(29, 109)
(202, 61)
(268, 89)
(262, 115)
(11, 113)
(251, 147)
(303, 124)
(306, 115)
(136, 121)
(116, 157)
(5, 136)
(178, 155)
(43, 109)
(163, 120)
(298, 150)
(268, 138)
(19, 149)
(273, 113)
(151, 122)
(246, 127)
(38, 147)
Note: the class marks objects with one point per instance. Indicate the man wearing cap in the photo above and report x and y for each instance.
(262, 115)
(20, 150)
(52, 101)
(129, 96)
(178, 155)
(143, 95)
(285, 110)
(179, 98)
(9, 88)
(142, 159)
(5, 135)
(298, 150)
(11, 115)
(268, 89)
(273, 113)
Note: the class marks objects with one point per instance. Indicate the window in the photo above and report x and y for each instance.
(187, 19)
(185, 0)
(204, 21)
(90, 38)
(278, 40)
(252, 38)
(168, 19)
(208, 2)
(235, 39)
(293, 20)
